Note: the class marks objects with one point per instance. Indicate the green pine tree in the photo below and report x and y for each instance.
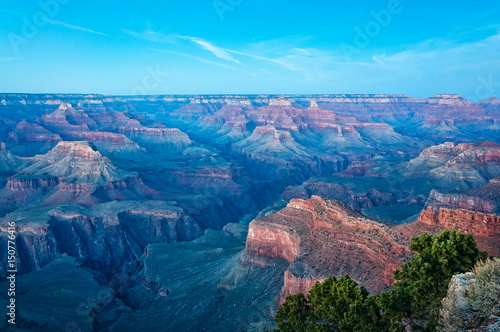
(333, 305)
(340, 305)
(423, 281)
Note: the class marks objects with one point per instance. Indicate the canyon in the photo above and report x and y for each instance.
(320, 237)
(205, 212)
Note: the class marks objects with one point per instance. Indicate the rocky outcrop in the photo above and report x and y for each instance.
(466, 221)
(438, 155)
(457, 166)
(146, 227)
(356, 200)
(36, 247)
(460, 312)
(107, 121)
(168, 137)
(8, 161)
(104, 243)
(282, 102)
(233, 131)
(66, 117)
(456, 310)
(231, 157)
(319, 237)
(112, 145)
(293, 285)
(478, 156)
(58, 120)
(489, 192)
(22, 184)
(456, 201)
(268, 141)
(75, 162)
(73, 173)
(275, 242)
(428, 217)
(30, 132)
(485, 227)
(75, 297)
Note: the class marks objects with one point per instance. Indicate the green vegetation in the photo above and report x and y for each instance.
(480, 304)
(421, 284)
(485, 291)
(333, 305)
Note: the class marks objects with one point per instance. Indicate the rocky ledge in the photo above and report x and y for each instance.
(320, 237)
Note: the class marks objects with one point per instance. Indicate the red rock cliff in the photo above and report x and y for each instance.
(319, 237)
(485, 227)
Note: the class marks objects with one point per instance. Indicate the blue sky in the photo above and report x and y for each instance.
(413, 47)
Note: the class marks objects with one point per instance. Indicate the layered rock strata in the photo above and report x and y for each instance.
(319, 237)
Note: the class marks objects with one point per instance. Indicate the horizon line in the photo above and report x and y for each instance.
(452, 95)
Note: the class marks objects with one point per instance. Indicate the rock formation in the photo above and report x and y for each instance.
(457, 167)
(460, 310)
(484, 227)
(319, 237)
(132, 187)
(455, 201)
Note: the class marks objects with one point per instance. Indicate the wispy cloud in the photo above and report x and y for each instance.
(425, 68)
(300, 51)
(153, 36)
(215, 50)
(220, 52)
(195, 58)
(7, 59)
(160, 37)
(379, 58)
(433, 61)
(275, 61)
(288, 53)
(73, 27)
(444, 54)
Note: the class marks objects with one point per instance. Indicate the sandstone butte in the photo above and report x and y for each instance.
(320, 237)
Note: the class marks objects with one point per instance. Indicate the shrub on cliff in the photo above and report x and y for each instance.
(421, 284)
(457, 313)
(485, 292)
(473, 300)
(423, 281)
(333, 305)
